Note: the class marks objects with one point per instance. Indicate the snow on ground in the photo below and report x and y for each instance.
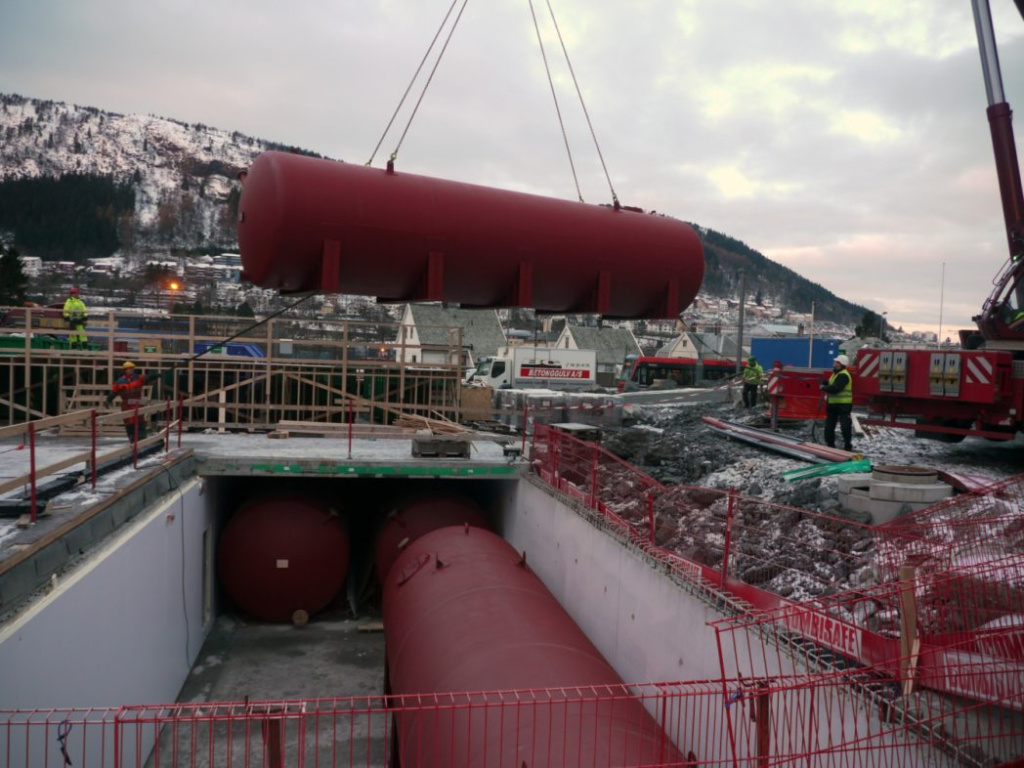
(784, 549)
(671, 443)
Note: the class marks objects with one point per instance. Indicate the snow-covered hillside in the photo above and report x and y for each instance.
(185, 176)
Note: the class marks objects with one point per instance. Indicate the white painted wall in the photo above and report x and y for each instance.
(126, 626)
(646, 626)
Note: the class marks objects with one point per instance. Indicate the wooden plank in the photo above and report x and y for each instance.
(145, 410)
(18, 406)
(16, 430)
(78, 458)
(910, 643)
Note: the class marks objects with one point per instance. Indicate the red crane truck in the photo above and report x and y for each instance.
(978, 389)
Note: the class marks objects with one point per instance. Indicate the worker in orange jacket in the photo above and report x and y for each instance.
(129, 388)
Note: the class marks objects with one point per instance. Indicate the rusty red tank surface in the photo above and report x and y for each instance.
(463, 612)
(283, 554)
(412, 518)
(307, 224)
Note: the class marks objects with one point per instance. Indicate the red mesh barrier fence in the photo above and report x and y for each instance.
(843, 718)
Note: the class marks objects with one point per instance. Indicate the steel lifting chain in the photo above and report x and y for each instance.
(416, 74)
(583, 105)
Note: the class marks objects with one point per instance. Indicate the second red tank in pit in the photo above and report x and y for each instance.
(463, 612)
(307, 224)
(412, 518)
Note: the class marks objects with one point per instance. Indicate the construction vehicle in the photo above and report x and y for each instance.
(978, 389)
(537, 367)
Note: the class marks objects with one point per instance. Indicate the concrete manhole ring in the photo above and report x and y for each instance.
(905, 469)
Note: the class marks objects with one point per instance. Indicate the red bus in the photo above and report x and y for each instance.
(671, 372)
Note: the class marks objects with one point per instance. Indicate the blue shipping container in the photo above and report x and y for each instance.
(795, 352)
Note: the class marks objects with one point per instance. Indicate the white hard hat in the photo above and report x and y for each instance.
(843, 360)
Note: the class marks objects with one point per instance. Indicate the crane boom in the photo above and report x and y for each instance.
(1002, 316)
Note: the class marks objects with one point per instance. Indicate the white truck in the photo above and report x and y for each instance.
(537, 367)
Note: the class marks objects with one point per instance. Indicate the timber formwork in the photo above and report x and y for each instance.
(285, 369)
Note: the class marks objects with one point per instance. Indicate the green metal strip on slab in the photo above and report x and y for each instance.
(846, 467)
(403, 470)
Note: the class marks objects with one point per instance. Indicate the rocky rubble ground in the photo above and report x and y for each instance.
(793, 539)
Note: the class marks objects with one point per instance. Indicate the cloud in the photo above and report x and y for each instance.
(847, 140)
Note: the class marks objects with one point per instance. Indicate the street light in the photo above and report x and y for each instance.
(172, 287)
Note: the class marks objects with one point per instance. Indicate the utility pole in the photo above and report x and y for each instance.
(942, 300)
(739, 334)
(810, 346)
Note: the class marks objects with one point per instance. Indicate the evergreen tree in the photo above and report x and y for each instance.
(870, 325)
(12, 278)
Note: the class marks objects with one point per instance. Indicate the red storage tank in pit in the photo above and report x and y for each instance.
(280, 555)
(462, 612)
(419, 516)
(307, 224)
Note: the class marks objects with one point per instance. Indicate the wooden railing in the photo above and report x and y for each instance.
(92, 458)
(286, 368)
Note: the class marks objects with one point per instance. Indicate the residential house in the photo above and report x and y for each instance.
(429, 333)
(706, 346)
(612, 345)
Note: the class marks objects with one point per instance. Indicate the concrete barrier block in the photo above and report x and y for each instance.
(883, 511)
(848, 482)
(856, 502)
(18, 583)
(912, 492)
(51, 559)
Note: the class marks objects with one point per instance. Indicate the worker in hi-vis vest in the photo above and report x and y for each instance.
(840, 403)
(76, 316)
(753, 375)
(129, 388)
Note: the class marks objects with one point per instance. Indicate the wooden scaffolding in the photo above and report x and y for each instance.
(286, 369)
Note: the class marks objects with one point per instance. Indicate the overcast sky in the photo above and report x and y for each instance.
(846, 139)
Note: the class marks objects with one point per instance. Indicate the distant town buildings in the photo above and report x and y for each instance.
(32, 266)
(213, 284)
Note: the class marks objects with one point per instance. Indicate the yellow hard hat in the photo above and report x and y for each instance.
(128, 364)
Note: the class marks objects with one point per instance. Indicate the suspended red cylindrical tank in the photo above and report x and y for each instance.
(415, 517)
(463, 612)
(284, 554)
(307, 224)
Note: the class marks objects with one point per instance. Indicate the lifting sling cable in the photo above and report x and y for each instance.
(408, 88)
(554, 95)
(426, 85)
(586, 114)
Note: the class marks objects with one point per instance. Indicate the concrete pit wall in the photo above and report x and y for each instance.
(125, 626)
(642, 622)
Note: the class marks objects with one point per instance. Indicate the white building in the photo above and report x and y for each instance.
(32, 266)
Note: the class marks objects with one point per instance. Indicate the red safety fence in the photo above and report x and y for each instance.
(807, 720)
(907, 612)
(961, 531)
(787, 551)
(773, 557)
